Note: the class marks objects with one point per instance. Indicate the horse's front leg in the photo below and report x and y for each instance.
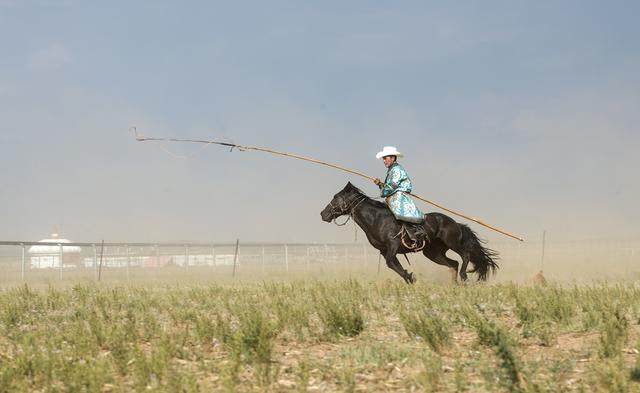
(394, 264)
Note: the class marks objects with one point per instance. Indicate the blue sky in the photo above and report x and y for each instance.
(522, 113)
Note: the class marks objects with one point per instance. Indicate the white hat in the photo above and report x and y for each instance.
(388, 151)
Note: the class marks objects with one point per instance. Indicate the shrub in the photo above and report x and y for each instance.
(431, 375)
(428, 326)
(254, 335)
(341, 317)
(613, 335)
(608, 376)
(492, 335)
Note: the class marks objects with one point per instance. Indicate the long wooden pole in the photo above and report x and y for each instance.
(467, 217)
(142, 138)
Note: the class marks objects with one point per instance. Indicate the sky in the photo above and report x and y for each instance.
(521, 113)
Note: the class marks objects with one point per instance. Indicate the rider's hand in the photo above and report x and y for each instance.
(377, 181)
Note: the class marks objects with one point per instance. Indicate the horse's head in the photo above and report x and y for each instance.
(341, 204)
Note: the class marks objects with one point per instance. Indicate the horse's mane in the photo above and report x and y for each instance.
(369, 199)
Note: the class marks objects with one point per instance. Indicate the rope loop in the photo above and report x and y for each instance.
(335, 221)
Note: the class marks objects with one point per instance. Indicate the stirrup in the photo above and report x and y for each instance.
(415, 246)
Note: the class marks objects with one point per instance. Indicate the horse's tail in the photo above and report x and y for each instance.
(483, 259)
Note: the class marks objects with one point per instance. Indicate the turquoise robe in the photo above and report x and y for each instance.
(396, 186)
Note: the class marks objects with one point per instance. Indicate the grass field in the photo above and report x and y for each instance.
(342, 335)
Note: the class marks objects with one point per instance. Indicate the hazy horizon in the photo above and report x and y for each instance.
(523, 114)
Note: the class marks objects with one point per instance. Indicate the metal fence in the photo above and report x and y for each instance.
(162, 262)
(577, 260)
(47, 261)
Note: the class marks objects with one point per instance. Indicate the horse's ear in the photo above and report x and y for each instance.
(349, 186)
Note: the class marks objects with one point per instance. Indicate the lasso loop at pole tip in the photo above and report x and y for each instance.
(134, 130)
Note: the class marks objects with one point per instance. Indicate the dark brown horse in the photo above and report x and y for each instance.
(443, 234)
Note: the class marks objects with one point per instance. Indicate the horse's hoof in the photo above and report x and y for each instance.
(412, 278)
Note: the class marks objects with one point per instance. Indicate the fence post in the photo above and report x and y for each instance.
(235, 258)
(95, 261)
(24, 261)
(186, 254)
(60, 256)
(308, 258)
(128, 260)
(286, 257)
(263, 259)
(213, 255)
(100, 265)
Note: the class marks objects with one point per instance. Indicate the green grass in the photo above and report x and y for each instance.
(339, 336)
(427, 325)
(497, 338)
(340, 310)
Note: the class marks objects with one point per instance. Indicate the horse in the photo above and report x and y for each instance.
(385, 233)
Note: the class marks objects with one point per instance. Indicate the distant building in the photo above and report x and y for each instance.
(49, 256)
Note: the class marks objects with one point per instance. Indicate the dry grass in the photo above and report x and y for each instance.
(344, 335)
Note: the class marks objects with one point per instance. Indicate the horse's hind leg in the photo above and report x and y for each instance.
(394, 264)
(466, 258)
(437, 252)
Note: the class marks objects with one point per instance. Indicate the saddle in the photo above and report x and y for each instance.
(415, 234)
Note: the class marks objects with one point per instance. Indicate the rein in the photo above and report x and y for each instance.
(351, 208)
(348, 207)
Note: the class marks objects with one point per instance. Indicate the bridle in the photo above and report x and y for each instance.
(346, 208)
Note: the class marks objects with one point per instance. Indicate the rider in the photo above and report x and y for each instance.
(395, 188)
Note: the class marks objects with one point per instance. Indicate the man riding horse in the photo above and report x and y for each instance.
(394, 189)
(387, 224)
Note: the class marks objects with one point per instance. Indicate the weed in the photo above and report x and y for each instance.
(542, 310)
(341, 317)
(546, 331)
(427, 326)
(609, 376)
(492, 335)
(591, 318)
(96, 328)
(7, 378)
(377, 354)
(254, 335)
(231, 373)
(635, 373)
(613, 335)
(460, 377)
(431, 375)
(292, 310)
(181, 382)
(347, 378)
(267, 373)
(89, 338)
(205, 329)
(635, 370)
(120, 350)
(303, 375)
